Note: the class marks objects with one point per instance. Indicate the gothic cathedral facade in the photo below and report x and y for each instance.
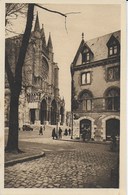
(40, 101)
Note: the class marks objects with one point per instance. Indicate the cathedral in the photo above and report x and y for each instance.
(40, 101)
(95, 73)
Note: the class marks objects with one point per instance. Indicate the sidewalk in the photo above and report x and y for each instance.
(30, 151)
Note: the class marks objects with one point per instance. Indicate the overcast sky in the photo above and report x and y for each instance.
(93, 20)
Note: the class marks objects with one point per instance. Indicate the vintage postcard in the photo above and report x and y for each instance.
(63, 96)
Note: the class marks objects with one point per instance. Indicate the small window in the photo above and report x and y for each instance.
(113, 73)
(113, 50)
(113, 46)
(85, 56)
(86, 78)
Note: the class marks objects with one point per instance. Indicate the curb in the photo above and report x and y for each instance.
(24, 159)
(80, 141)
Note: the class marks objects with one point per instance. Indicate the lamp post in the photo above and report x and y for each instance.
(72, 92)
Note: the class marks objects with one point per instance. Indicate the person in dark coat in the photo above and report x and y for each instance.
(69, 131)
(53, 133)
(41, 131)
(60, 133)
(66, 132)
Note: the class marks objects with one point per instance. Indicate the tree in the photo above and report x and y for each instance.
(15, 79)
(15, 83)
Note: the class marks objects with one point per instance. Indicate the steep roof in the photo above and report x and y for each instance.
(98, 46)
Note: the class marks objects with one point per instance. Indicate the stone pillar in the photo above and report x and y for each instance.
(47, 116)
(104, 104)
(56, 77)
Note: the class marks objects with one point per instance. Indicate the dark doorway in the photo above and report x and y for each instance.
(43, 112)
(32, 115)
(53, 113)
(85, 125)
(112, 127)
(61, 115)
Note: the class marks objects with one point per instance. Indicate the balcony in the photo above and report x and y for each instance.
(100, 104)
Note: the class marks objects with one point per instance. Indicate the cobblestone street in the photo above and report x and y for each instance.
(67, 165)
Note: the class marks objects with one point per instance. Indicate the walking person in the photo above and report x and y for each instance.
(60, 133)
(69, 131)
(41, 131)
(66, 132)
(53, 133)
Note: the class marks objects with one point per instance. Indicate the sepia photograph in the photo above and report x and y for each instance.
(62, 95)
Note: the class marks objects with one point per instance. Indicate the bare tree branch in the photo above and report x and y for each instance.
(66, 26)
(56, 12)
(72, 13)
(13, 10)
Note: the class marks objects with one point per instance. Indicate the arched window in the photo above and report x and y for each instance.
(113, 99)
(43, 111)
(45, 68)
(86, 100)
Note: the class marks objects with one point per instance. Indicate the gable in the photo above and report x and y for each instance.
(98, 47)
(112, 41)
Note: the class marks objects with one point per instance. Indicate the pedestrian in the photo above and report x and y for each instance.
(69, 131)
(66, 132)
(53, 133)
(60, 133)
(41, 131)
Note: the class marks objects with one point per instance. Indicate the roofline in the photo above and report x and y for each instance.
(103, 35)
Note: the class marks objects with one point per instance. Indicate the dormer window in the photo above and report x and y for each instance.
(86, 56)
(113, 50)
(113, 46)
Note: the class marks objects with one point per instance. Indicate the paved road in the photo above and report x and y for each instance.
(65, 165)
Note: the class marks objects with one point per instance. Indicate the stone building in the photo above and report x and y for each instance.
(95, 73)
(40, 102)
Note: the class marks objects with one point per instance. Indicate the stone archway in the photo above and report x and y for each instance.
(32, 116)
(43, 111)
(90, 122)
(112, 128)
(53, 113)
(104, 121)
(85, 125)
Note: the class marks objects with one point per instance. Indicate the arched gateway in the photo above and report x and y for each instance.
(85, 125)
(43, 111)
(53, 113)
(112, 128)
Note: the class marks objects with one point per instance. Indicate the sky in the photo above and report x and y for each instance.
(92, 20)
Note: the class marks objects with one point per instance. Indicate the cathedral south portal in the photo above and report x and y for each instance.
(40, 102)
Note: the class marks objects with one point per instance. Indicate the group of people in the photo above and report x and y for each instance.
(57, 134)
(67, 132)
